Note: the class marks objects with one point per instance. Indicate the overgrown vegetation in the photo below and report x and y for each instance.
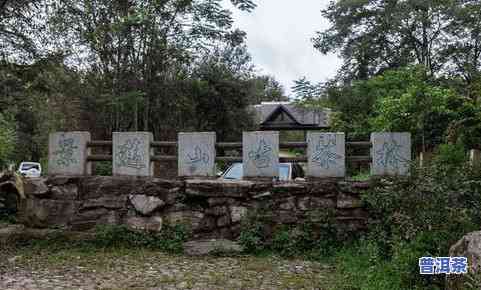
(169, 240)
(420, 215)
(423, 214)
(315, 237)
(104, 66)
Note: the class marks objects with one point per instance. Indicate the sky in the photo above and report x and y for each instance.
(279, 36)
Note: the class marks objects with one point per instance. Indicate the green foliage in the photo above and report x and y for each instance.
(373, 36)
(407, 102)
(359, 267)
(420, 215)
(451, 155)
(170, 239)
(316, 237)
(103, 168)
(402, 100)
(7, 141)
(253, 236)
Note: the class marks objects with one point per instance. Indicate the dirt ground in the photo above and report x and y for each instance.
(79, 268)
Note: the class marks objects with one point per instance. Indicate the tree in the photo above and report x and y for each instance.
(462, 50)
(267, 89)
(304, 90)
(7, 140)
(138, 49)
(22, 26)
(373, 36)
(408, 102)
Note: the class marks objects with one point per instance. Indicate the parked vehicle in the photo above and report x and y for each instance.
(30, 169)
(287, 171)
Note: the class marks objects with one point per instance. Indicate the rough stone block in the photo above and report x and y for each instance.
(347, 201)
(196, 154)
(131, 153)
(147, 224)
(218, 188)
(208, 247)
(216, 210)
(35, 186)
(191, 219)
(223, 221)
(391, 153)
(260, 154)
(237, 213)
(67, 153)
(146, 204)
(326, 155)
(42, 213)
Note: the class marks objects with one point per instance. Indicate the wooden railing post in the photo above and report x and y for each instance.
(475, 157)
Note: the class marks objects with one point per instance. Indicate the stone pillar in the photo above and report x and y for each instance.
(475, 157)
(391, 153)
(326, 155)
(67, 153)
(131, 153)
(260, 154)
(196, 154)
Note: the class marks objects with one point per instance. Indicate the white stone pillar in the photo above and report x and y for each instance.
(196, 154)
(67, 153)
(326, 155)
(260, 154)
(391, 153)
(131, 153)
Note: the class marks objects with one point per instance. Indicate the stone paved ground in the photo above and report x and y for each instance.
(77, 268)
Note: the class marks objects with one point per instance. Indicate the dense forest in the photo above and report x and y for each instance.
(409, 66)
(171, 65)
(166, 66)
(103, 66)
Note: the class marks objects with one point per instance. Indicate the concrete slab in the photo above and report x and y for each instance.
(196, 154)
(391, 153)
(67, 153)
(131, 153)
(260, 154)
(326, 154)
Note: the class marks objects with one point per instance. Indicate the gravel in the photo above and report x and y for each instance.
(79, 268)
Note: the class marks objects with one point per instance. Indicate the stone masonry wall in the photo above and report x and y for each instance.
(210, 208)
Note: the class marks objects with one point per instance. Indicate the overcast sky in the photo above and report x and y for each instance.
(279, 36)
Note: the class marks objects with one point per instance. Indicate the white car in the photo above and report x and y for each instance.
(30, 169)
(287, 172)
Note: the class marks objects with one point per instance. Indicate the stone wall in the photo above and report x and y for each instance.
(210, 208)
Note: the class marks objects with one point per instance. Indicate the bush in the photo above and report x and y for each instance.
(113, 237)
(411, 217)
(253, 236)
(171, 238)
(315, 238)
(103, 168)
(451, 155)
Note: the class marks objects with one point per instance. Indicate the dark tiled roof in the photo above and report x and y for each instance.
(303, 116)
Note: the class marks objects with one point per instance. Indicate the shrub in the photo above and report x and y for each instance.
(170, 239)
(253, 236)
(103, 168)
(420, 215)
(316, 237)
(450, 155)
